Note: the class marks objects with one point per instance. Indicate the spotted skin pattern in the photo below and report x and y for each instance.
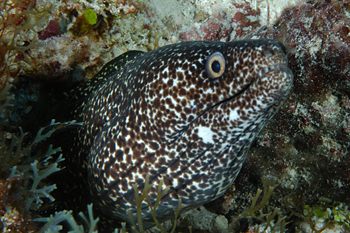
(159, 114)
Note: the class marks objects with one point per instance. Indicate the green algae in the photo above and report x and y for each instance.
(143, 197)
(260, 200)
(323, 216)
(269, 219)
(90, 16)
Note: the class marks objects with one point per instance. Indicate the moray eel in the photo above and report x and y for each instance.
(184, 114)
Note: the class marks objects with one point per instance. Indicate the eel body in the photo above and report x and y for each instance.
(184, 115)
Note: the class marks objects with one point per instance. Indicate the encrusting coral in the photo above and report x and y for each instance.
(305, 149)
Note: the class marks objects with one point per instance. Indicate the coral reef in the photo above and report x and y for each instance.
(304, 150)
(49, 38)
(321, 219)
(26, 190)
(243, 19)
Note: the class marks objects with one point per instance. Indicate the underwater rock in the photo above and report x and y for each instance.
(12, 218)
(225, 25)
(305, 148)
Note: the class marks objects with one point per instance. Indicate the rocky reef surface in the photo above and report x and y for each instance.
(297, 174)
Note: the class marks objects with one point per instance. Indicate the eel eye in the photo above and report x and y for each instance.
(215, 65)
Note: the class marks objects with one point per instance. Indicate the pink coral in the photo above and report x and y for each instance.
(225, 27)
(245, 20)
(52, 29)
(215, 28)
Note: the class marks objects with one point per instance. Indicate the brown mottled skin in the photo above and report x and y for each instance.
(162, 114)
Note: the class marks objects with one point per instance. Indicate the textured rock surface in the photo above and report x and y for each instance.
(304, 150)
